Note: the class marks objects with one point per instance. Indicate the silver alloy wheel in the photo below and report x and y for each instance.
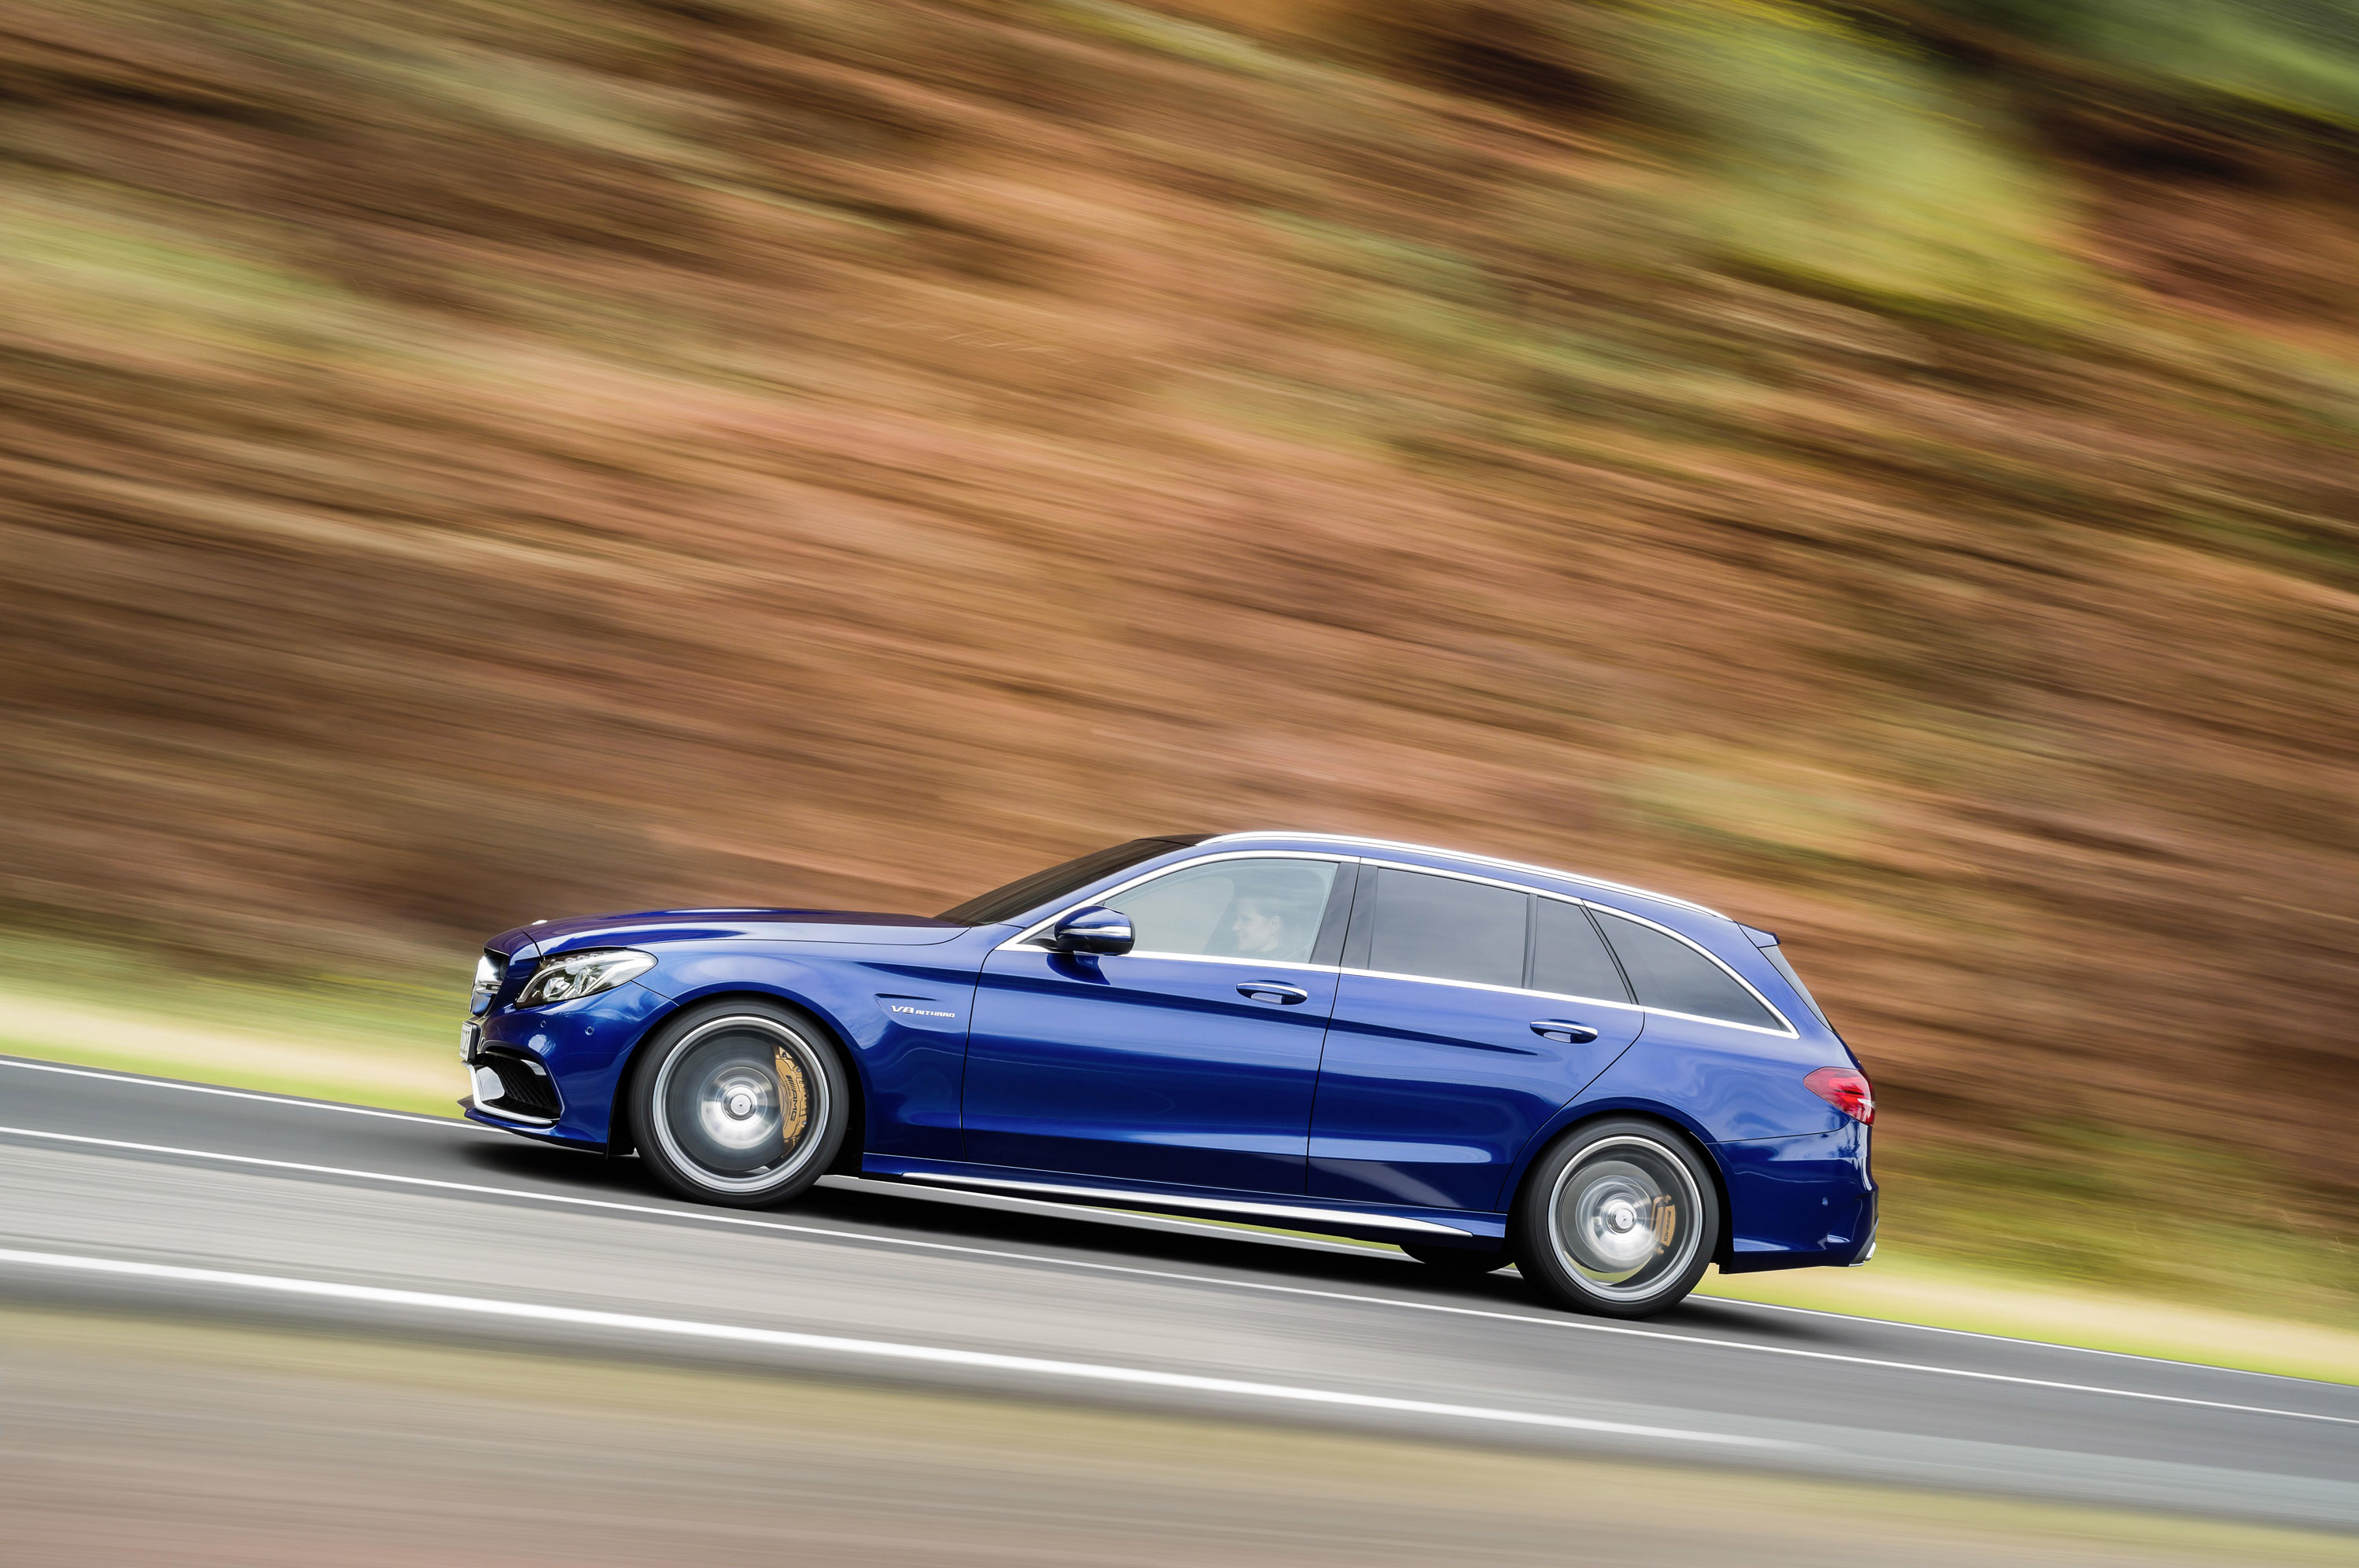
(741, 1103)
(1625, 1217)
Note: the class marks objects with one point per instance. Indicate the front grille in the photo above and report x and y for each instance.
(523, 1090)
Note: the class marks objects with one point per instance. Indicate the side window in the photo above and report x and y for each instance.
(1569, 957)
(1448, 929)
(1669, 975)
(1267, 910)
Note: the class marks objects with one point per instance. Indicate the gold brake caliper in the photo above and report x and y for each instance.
(794, 1099)
(1666, 1223)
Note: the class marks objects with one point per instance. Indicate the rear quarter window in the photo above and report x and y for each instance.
(1667, 974)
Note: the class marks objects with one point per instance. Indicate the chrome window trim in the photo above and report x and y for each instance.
(1215, 958)
(1787, 1031)
(1476, 859)
(1787, 1028)
(1028, 933)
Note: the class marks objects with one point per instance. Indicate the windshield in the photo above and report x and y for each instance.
(1046, 886)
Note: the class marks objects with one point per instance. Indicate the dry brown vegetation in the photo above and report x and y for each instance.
(464, 462)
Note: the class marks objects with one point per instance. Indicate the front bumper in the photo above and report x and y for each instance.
(556, 1068)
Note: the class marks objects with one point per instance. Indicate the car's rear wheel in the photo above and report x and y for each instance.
(739, 1102)
(1619, 1218)
(1462, 1262)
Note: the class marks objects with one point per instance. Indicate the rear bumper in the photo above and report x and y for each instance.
(1799, 1203)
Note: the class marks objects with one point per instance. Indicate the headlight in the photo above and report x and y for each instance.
(583, 974)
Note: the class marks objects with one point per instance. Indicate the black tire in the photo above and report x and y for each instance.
(1619, 1218)
(1464, 1262)
(739, 1102)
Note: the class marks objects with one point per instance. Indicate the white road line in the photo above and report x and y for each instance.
(684, 1328)
(247, 1095)
(707, 1216)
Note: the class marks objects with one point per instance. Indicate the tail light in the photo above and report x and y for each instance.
(1846, 1090)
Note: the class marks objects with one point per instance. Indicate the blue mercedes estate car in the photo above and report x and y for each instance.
(1482, 1061)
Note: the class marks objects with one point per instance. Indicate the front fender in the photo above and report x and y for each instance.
(902, 1018)
(904, 1025)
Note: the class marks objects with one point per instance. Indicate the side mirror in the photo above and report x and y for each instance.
(1093, 930)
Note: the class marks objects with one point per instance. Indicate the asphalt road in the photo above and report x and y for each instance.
(120, 1190)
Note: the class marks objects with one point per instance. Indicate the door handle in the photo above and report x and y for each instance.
(1565, 1033)
(1271, 991)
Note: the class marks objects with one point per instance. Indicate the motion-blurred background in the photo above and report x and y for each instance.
(1885, 469)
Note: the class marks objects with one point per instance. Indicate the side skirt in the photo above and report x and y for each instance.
(1361, 1221)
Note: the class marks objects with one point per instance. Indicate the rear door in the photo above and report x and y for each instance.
(1468, 1011)
(1190, 1058)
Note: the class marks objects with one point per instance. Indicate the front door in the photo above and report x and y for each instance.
(1189, 1060)
(1440, 1063)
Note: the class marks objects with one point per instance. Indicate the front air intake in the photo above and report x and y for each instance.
(525, 1087)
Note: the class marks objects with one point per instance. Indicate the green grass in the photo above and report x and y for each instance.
(1852, 163)
(2081, 1207)
(380, 1039)
(1902, 1287)
(2297, 60)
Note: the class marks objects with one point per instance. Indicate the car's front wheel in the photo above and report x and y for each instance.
(740, 1102)
(1619, 1217)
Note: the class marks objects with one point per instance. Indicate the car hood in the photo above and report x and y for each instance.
(545, 937)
